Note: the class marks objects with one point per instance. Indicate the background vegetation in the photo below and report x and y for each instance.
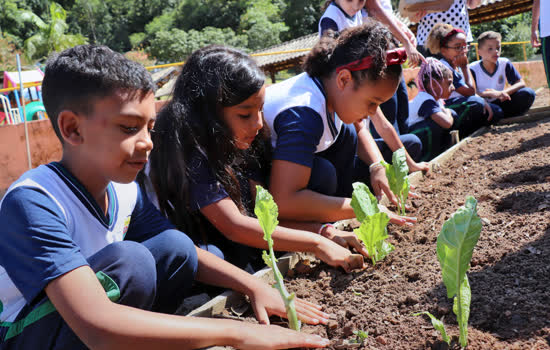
(169, 30)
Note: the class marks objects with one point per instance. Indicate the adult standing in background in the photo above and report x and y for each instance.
(456, 15)
(542, 6)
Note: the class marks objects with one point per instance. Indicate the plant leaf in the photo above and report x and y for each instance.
(455, 245)
(372, 233)
(397, 174)
(363, 202)
(461, 308)
(267, 212)
(438, 325)
(383, 248)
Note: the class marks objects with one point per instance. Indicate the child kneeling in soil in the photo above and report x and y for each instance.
(473, 112)
(321, 143)
(428, 118)
(211, 149)
(491, 74)
(85, 257)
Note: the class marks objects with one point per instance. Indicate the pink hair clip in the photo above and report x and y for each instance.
(395, 56)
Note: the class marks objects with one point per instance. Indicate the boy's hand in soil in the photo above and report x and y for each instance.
(275, 337)
(336, 255)
(345, 239)
(266, 300)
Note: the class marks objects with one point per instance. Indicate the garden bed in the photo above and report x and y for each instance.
(508, 170)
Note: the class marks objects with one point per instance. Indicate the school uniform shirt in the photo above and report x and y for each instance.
(296, 112)
(544, 21)
(458, 79)
(456, 15)
(422, 107)
(504, 71)
(51, 225)
(337, 19)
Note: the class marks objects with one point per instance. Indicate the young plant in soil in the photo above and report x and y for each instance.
(266, 211)
(372, 231)
(455, 246)
(398, 177)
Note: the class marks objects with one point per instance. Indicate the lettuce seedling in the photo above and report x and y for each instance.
(455, 246)
(267, 212)
(372, 231)
(398, 177)
(438, 325)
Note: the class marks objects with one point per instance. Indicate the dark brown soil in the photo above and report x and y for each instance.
(508, 170)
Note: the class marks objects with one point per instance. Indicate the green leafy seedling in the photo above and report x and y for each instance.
(267, 212)
(438, 325)
(398, 177)
(455, 246)
(360, 336)
(372, 231)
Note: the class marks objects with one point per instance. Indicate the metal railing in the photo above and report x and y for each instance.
(27, 85)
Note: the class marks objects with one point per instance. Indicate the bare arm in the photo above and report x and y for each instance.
(391, 138)
(520, 84)
(535, 23)
(288, 186)
(240, 228)
(108, 325)
(444, 118)
(397, 28)
(472, 4)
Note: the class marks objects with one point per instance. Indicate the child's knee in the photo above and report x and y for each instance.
(526, 96)
(323, 178)
(174, 248)
(413, 145)
(132, 267)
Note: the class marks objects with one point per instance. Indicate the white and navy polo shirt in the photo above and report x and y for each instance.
(422, 107)
(544, 20)
(458, 79)
(337, 19)
(456, 15)
(504, 71)
(50, 225)
(296, 112)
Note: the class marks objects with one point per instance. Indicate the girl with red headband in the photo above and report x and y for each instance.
(473, 112)
(321, 146)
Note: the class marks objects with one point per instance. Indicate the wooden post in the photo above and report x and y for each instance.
(272, 75)
(524, 52)
(24, 112)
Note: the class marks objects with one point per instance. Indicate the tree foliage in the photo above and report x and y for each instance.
(51, 34)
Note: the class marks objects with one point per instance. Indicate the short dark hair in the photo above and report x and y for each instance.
(489, 35)
(75, 78)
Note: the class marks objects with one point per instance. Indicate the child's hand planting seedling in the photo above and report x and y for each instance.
(372, 231)
(267, 212)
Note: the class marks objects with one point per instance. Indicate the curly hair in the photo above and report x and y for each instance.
(436, 36)
(336, 49)
(213, 77)
(430, 75)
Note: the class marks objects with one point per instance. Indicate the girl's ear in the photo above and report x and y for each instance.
(343, 78)
(69, 127)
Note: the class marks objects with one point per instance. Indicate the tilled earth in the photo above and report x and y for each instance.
(508, 170)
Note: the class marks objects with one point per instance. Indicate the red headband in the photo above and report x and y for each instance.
(450, 34)
(395, 56)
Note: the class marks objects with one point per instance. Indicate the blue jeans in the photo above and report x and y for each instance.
(153, 275)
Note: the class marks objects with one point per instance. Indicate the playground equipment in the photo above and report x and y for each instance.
(27, 93)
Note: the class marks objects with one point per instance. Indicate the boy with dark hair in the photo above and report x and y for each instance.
(491, 74)
(85, 257)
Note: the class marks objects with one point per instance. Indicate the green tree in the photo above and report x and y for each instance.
(198, 14)
(176, 45)
(513, 29)
(51, 35)
(262, 23)
(302, 18)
